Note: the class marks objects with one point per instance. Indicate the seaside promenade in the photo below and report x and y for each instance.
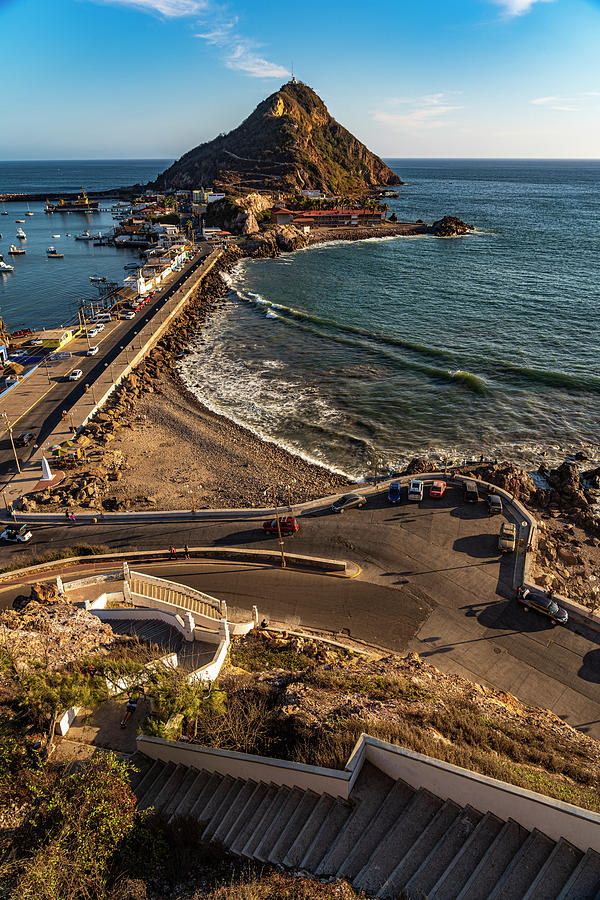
(56, 408)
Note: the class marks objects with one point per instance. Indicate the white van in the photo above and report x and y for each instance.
(102, 317)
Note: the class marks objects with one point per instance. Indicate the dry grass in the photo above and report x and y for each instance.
(277, 886)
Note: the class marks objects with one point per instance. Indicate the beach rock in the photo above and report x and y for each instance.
(449, 226)
(416, 466)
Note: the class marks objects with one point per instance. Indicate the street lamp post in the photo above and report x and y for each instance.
(278, 529)
(5, 417)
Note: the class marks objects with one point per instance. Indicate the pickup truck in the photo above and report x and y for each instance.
(507, 539)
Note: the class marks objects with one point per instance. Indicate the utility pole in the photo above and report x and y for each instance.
(278, 529)
(14, 449)
(47, 372)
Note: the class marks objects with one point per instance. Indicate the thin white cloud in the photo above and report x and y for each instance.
(239, 53)
(169, 8)
(430, 111)
(564, 104)
(512, 8)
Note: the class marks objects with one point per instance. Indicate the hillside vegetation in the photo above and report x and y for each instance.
(290, 142)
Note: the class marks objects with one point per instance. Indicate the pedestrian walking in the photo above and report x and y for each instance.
(73, 518)
(173, 552)
(131, 706)
(67, 514)
(186, 551)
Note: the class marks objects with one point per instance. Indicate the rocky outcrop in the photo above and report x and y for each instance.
(290, 142)
(276, 240)
(449, 226)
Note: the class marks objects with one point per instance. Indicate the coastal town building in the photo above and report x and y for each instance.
(326, 218)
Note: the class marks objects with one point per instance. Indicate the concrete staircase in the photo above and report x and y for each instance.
(191, 654)
(389, 840)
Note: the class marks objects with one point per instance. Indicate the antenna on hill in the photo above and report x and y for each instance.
(293, 79)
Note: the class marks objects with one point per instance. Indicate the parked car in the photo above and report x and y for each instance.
(91, 351)
(36, 342)
(16, 534)
(437, 489)
(94, 332)
(348, 501)
(471, 494)
(531, 598)
(129, 314)
(415, 490)
(25, 438)
(288, 525)
(507, 539)
(75, 375)
(395, 492)
(494, 503)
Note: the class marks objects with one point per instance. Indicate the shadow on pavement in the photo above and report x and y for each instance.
(590, 668)
(479, 546)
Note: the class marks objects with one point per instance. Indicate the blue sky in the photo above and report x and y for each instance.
(442, 78)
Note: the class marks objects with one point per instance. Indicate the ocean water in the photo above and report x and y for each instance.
(366, 354)
(44, 292)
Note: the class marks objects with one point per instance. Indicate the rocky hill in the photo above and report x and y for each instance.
(290, 142)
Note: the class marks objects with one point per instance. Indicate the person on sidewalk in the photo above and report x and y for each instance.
(173, 552)
(186, 551)
(131, 705)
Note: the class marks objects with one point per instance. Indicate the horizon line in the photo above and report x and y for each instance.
(383, 156)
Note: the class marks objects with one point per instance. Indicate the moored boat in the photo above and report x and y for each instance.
(16, 251)
(81, 204)
(21, 234)
(5, 267)
(52, 253)
(84, 236)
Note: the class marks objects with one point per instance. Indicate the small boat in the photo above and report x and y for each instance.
(52, 253)
(84, 236)
(97, 279)
(16, 251)
(20, 221)
(21, 234)
(4, 267)
(4, 213)
(28, 213)
(55, 235)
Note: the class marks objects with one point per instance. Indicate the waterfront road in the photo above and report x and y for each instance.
(431, 581)
(44, 416)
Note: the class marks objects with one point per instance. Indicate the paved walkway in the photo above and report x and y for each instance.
(101, 728)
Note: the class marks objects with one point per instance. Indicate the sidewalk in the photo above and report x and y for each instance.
(100, 389)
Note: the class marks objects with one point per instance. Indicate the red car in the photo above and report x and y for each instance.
(288, 525)
(437, 489)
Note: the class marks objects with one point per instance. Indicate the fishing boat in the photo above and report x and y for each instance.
(81, 204)
(16, 251)
(52, 253)
(20, 221)
(84, 236)
(4, 267)
(21, 234)
(55, 235)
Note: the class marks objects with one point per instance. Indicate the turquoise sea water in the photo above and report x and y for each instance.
(44, 292)
(371, 352)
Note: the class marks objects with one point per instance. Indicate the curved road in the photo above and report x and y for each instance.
(431, 581)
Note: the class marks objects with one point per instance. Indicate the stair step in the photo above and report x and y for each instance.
(584, 883)
(156, 787)
(170, 788)
(459, 870)
(142, 765)
(148, 778)
(327, 834)
(397, 842)
(223, 808)
(390, 810)
(278, 824)
(267, 798)
(409, 873)
(190, 790)
(444, 852)
(204, 807)
(234, 810)
(555, 872)
(246, 813)
(306, 834)
(523, 868)
(296, 822)
(371, 789)
(492, 866)
(271, 811)
(202, 798)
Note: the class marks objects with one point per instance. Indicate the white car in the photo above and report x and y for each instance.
(129, 315)
(75, 375)
(16, 534)
(92, 351)
(99, 327)
(415, 490)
